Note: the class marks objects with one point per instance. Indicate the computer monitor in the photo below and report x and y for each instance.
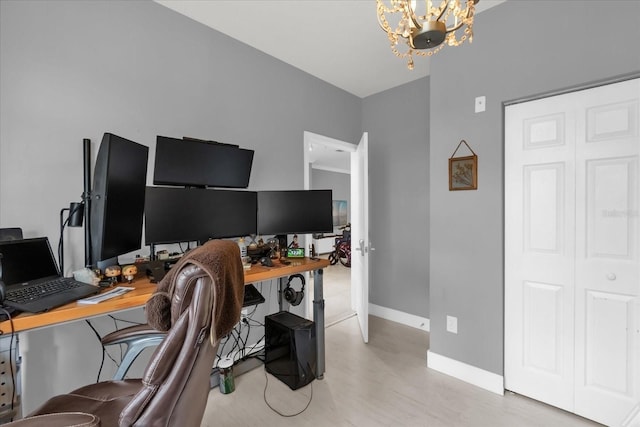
(295, 211)
(194, 163)
(175, 215)
(117, 198)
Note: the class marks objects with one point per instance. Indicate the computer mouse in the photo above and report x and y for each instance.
(266, 261)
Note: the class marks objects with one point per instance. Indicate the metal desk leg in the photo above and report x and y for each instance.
(283, 304)
(318, 318)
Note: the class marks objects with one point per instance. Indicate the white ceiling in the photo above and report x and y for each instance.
(338, 41)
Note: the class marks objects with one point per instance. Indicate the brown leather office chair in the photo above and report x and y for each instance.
(175, 384)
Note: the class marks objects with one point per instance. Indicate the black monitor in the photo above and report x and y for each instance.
(117, 198)
(175, 215)
(194, 163)
(295, 211)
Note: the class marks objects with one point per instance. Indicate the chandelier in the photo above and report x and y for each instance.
(423, 27)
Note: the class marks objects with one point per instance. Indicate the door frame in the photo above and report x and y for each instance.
(310, 139)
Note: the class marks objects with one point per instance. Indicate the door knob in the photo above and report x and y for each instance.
(611, 276)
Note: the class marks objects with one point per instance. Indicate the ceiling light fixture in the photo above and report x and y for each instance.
(424, 27)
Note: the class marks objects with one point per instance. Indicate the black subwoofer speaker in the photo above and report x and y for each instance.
(290, 349)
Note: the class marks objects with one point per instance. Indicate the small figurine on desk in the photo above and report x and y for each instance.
(112, 273)
(294, 242)
(129, 272)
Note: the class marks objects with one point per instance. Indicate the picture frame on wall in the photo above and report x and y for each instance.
(463, 171)
(340, 213)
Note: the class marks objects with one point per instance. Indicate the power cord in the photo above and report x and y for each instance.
(131, 322)
(104, 351)
(239, 336)
(117, 327)
(63, 224)
(277, 411)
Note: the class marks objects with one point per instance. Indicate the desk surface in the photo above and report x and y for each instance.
(139, 296)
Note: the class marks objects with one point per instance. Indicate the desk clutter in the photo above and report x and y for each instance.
(175, 210)
(250, 352)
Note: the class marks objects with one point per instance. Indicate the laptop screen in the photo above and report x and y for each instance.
(26, 260)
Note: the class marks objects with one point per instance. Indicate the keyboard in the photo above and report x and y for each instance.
(40, 290)
(45, 295)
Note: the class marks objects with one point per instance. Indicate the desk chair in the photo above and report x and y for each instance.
(175, 385)
(136, 339)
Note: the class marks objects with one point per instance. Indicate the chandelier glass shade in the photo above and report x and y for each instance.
(424, 27)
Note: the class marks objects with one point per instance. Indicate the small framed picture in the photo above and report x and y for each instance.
(463, 173)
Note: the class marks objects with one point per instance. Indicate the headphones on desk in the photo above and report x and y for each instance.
(291, 295)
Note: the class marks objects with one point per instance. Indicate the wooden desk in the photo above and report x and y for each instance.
(144, 288)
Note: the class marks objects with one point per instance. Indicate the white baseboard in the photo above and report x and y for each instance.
(400, 317)
(476, 376)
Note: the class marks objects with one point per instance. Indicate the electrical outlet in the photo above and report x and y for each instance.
(481, 104)
(244, 313)
(452, 324)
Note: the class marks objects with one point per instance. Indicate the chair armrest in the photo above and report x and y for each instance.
(136, 338)
(130, 334)
(60, 419)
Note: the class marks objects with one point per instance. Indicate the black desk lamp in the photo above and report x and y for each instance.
(74, 219)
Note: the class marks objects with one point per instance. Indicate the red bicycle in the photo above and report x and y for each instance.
(342, 248)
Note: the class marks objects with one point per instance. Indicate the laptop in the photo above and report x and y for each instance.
(32, 279)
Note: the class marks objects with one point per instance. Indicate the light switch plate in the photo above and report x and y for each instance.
(452, 324)
(481, 104)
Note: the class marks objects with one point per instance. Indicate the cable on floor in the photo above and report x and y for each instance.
(277, 411)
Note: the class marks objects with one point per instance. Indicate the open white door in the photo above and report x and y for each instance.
(360, 243)
(359, 171)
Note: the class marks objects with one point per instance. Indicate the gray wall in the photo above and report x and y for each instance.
(76, 69)
(339, 182)
(397, 121)
(555, 45)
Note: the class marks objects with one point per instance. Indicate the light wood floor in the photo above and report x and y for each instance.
(337, 293)
(382, 383)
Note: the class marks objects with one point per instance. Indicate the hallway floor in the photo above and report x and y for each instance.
(337, 293)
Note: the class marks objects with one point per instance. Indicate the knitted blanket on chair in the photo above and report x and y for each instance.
(220, 259)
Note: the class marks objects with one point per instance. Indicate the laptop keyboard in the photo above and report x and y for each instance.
(41, 290)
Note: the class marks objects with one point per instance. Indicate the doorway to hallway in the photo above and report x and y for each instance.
(328, 165)
(337, 294)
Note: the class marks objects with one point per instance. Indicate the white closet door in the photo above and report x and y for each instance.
(607, 254)
(539, 250)
(572, 270)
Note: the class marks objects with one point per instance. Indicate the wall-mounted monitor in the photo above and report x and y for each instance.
(175, 215)
(295, 211)
(195, 163)
(117, 198)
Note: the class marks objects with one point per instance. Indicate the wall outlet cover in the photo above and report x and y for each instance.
(452, 324)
